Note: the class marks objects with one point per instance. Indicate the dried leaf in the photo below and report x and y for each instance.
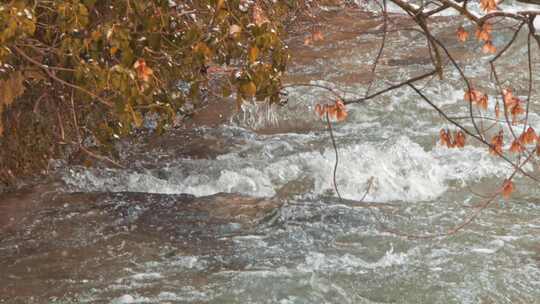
(11, 88)
(472, 95)
(219, 4)
(459, 139)
(496, 144)
(529, 136)
(204, 50)
(341, 111)
(507, 189)
(516, 110)
(488, 5)
(462, 34)
(483, 33)
(143, 71)
(489, 48)
(483, 102)
(516, 147)
(336, 111)
(317, 36)
(507, 96)
(248, 89)
(443, 137)
(253, 54)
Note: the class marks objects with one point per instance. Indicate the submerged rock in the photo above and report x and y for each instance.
(75, 242)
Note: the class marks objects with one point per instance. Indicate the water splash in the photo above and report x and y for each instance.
(401, 170)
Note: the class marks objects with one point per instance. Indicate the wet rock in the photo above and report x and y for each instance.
(65, 241)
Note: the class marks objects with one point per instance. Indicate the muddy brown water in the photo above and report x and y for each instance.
(242, 209)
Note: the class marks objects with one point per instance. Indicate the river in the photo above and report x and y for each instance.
(246, 212)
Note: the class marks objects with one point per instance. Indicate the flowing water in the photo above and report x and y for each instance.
(164, 230)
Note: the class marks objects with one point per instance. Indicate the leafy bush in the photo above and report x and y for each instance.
(79, 71)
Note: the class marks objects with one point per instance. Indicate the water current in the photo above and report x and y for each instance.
(252, 216)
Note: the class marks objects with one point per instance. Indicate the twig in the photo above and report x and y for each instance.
(47, 70)
(390, 88)
(337, 155)
(79, 142)
(381, 48)
(368, 188)
(480, 139)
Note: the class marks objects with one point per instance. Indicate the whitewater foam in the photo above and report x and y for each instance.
(401, 170)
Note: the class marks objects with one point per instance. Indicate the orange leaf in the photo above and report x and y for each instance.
(459, 139)
(496, 144)
(317, 36)
(507, 189)
(341, 111)
(248, 89)
(516, 147)
(332, 111)
(507, 96)
(336, 111)
(521, 139)
(253, 54)
(462, 34)
(443, 136)
(497, 110)
(512, 103)
(203, 49)
(529, 136)
(472, 95)
(483, 33)
(143, 71)
(516, 110)
(488, 5)
(489, 48)
(483, 102)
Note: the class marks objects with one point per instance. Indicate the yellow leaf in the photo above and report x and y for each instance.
(219, 4)
(202, 48)
(253, 54)
(248, 89)
(11, 88)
